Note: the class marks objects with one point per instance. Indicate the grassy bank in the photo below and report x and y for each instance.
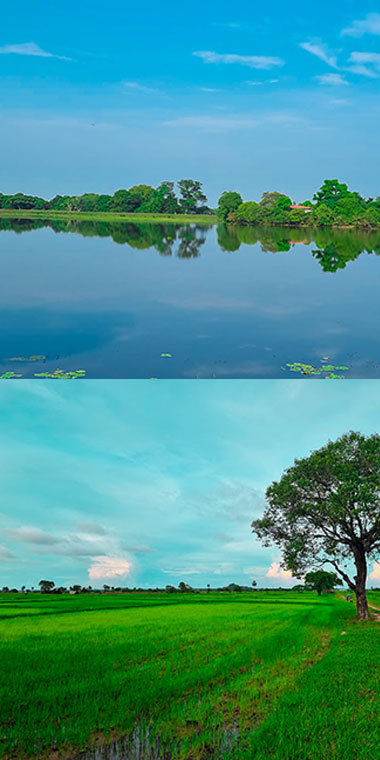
(109, 217)
(259, 675)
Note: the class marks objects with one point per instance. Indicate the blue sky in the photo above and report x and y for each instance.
(149, 483)
(250, 97)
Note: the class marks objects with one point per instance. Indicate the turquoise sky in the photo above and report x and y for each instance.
(253, 97)
(154, 482)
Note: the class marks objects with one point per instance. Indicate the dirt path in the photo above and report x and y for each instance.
(375, 615)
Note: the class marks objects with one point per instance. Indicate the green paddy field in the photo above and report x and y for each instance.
(260, 675)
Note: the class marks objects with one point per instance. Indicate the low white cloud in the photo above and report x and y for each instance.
(30, 535)
(253, 61)
(253, 570)
(256, 83)
(224, 123)
(375, 573)
(180, 571)
(92, 528)
(224, 568)
(363, 71)
(108, 568)
(213, 123)
(333, 80)
(339, 102)
(30, 48)
(5, 554)
(368, 25)
(365, 64)
(137, 87)
(321, 51)
(278, 572)
(229, 24)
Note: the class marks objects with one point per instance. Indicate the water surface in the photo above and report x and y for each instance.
(225, 302)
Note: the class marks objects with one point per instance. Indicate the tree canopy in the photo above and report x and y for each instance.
(228, 202)
(321, 580)
(326, 510)
(136, 199)
(333, 205)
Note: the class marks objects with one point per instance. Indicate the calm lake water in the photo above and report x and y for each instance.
(111, 298)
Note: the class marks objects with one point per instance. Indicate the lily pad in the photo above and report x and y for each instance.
(60, 374)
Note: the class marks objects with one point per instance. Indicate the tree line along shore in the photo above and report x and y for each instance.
(333, 205)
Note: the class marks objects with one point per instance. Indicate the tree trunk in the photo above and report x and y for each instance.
(361, 604)
(360, 589)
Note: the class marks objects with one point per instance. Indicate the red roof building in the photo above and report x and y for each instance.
(301, 208)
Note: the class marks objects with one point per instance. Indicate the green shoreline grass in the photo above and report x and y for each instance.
(255, 676)
(108, 217)
(209, 219)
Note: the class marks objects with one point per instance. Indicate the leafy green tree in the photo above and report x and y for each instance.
(191, 195)
(46, 586)
(169, 201)
(137, 195)
(184, 587)
(228, 202)
(270, 199)
(120, 201)
(279, 213)
(233, 587)
(130, 200)
(321, 580)
(324, 215)
(162, 201)
(250, 212)
(331, 191)
(326, 510)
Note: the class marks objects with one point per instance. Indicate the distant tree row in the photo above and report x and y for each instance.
(320, 581)
(138, 199)
(333, 205)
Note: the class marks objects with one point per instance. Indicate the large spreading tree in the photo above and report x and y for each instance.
(325, 510)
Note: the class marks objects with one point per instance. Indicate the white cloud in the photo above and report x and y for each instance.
(181, 571)
(90, 527)
(321, 51)
(30, 48)
(213, 123)
(255, 83)
(278, 572)
(253, 570)
(334, 80)
(30, 535)
(224, 568)
(5, 554)
(228, 24)
(223, 123)
(136, 87)
(339, 102)
(366, 58)
(361, 61)
(369, 25)
(253, 61)
(109, 567)
(210, 89)
(375, 573)
(363, 71)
